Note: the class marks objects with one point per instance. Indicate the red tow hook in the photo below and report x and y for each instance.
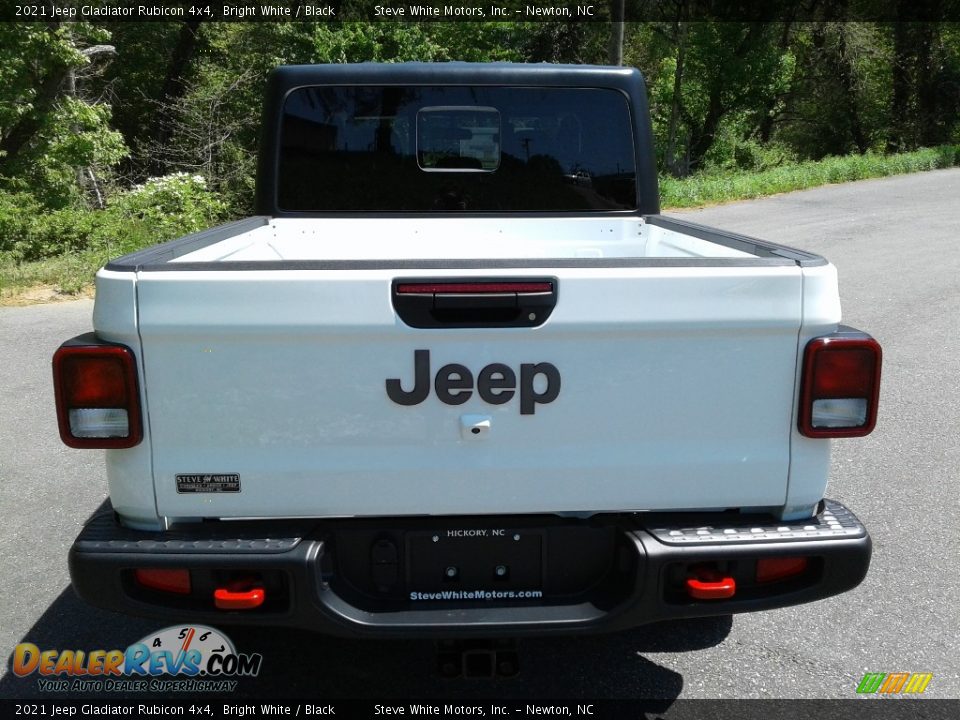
(239, 596)
(709, 584)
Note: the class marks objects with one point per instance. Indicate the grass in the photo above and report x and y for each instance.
(72, 274)
(709, 188)
(68, 275)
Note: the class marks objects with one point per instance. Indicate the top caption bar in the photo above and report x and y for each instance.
(482, 11)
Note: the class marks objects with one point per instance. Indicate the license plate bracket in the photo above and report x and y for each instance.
(476, 559)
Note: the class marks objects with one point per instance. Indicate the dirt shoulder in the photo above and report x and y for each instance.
(40, 294)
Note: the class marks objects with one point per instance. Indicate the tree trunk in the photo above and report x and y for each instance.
(702, 140)
(615, 46)
(929, 130)
(845, 68)
(900, 104)
(675, 102)
(766, 122)
(174, 85)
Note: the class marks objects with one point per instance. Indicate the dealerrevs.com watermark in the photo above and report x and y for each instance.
(186, 659)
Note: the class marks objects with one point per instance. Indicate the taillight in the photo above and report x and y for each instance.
(98, 404)
(840, 386)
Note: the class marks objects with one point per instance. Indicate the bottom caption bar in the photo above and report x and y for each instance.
(637, 709)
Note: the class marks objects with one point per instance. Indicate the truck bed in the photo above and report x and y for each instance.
(293, 240)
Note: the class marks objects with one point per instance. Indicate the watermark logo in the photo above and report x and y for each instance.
(197, 657)
(894, 683)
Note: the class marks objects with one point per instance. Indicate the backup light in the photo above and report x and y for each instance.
(99, 422)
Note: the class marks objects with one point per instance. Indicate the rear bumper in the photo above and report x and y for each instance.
(383, 577)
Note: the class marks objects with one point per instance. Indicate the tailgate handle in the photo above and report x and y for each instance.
(459, 303)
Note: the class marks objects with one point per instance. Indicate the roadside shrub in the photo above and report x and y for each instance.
(730, 152)
(948, 155)
(17, 213)
(171, 205)
(158, 210)
(50, 233)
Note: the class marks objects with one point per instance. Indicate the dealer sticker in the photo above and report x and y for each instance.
(208, 483)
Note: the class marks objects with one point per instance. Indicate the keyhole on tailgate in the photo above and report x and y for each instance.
(475, 427)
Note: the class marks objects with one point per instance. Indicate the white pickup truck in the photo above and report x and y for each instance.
(459, 376)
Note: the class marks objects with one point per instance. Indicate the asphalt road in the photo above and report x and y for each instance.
(896, 243)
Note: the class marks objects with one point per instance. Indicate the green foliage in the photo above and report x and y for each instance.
(730, 75)
(173, 205)
(28, 53)
(840, 101)
(559, 42)
(732, 152)
(708, 188)
(18, 212)
(50, 133)
(136, 76)
(161, 209)
(73, 136)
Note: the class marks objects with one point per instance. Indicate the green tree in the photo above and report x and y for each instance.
(55, 139)
(714, 76)
(925, 75)
(839, 99)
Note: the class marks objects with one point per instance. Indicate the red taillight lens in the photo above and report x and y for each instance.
(94, 380)
(843, 372)
(840, 386)
(98, 403)
(779, 568)
(171, 581)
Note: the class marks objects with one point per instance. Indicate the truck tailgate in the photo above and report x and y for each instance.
(677, 392)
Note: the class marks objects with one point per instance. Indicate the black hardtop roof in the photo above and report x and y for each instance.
(286, 78)
(457, 73)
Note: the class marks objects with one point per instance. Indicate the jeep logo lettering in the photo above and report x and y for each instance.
(496, 384)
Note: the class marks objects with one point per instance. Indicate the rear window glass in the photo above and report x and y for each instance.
(456, 149)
